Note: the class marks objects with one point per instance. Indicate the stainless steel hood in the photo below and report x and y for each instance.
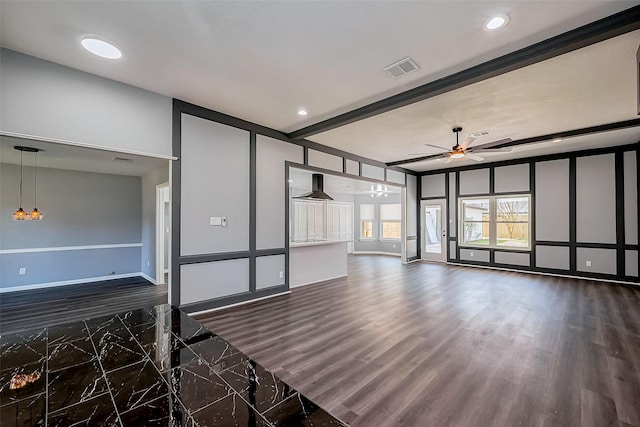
(317, 190)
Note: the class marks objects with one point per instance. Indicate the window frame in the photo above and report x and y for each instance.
(363, 220)
(493, 222)
(382, 221)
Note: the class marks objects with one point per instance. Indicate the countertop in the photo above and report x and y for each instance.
(316, 243)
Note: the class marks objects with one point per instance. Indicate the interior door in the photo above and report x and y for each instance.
(433, 215)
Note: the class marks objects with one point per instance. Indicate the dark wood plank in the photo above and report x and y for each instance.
(428, 344)
(31, 309)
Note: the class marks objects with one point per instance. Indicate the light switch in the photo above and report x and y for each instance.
(588, 263)
(215, 220)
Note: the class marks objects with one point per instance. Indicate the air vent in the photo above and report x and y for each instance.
(481, 133)
(122, 159)
(402, 68)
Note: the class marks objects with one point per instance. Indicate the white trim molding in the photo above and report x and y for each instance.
(149, 278)
(69, 282)
(82, 144)
(69, 248)
(376, 253)
(211, 310)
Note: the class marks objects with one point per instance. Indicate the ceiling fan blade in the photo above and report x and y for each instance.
(493, 144)
(441, 149)
(474, 157)
(449, 160)
(490, 150)
(467, 142)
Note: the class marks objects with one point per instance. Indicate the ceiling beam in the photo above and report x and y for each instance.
(603, 29)
(542, 138)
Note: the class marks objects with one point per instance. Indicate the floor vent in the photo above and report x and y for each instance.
(402, 68)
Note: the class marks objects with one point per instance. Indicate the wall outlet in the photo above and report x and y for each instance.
(112, 273)
(23, 270)
(148, 263)
(588, 263)
(394, 246)
(281, 275)
(471, 253)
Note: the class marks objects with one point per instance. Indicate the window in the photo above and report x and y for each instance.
(366, 221)
(390, 223)
(497, 221)
(308, 221)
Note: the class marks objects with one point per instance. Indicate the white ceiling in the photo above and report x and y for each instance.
(263, 60)
(70, 157)
(333, 184)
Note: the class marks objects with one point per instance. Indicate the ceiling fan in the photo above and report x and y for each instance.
(463, 150)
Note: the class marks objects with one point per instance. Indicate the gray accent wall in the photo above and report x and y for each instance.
(395, 177)
(474, 181)
(596, 199)
(510, 179)
(631, 263)
(271, 155)
(477, 255)
(553, 257)
(370, 171)
(324, 160)
(214, 183)
(352, 167)
(584, 211)
(433, 186)
(211, 280)
(44, 99)
(453, 206)
(80, 209)
(552, 200)
(412, 217)
(513, 258)
(149, 183)
(268, 271)
(630, 199)
(602, 260)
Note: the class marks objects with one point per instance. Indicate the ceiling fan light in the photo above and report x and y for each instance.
(457, 155)
(20, 215)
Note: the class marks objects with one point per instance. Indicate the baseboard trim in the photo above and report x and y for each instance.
(149, 278)
(224, 307)
(69, 282)
(318, 281)
(543, 273)
(376, 253)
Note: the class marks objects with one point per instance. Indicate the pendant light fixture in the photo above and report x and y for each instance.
(20, 214)
(35, 214)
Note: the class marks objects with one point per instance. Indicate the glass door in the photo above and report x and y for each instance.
(434, 233)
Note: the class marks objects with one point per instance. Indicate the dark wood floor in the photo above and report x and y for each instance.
(435, 345)
(24, 310)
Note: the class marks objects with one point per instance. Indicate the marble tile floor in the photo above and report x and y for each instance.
(154, 366)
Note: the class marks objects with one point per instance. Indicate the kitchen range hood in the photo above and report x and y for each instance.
(317, 191)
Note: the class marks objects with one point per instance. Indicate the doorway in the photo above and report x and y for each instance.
(434, 238)
(163, 233)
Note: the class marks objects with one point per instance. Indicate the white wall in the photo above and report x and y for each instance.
(43, 99)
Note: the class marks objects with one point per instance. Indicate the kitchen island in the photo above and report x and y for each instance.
(316, 261)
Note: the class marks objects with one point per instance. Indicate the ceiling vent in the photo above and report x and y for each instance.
(479, 134)
(402, 68)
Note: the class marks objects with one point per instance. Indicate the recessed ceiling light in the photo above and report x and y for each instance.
(496, 22)
(302, 112)
(101, 47)
(557, 140)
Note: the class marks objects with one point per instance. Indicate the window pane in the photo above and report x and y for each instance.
(367, 230)
(391, 230)
(366, 211)
(475, 210)
(390, 211)
(475, 233)
(513, 234)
